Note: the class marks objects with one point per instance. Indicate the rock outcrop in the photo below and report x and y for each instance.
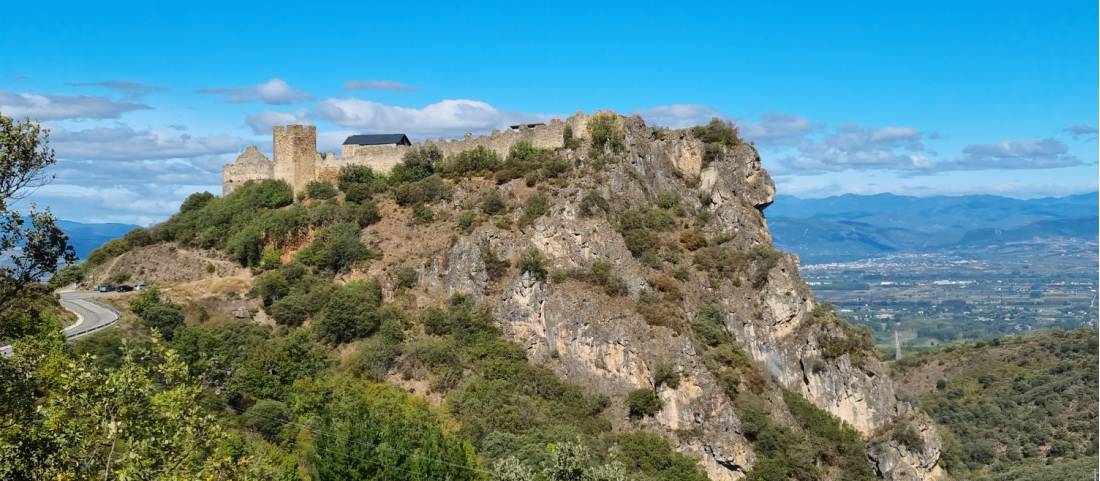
(603, 343)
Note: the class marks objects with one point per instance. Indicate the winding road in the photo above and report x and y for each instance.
(90, 316)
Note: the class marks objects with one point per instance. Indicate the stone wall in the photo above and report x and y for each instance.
(250, 165)
(297, 161)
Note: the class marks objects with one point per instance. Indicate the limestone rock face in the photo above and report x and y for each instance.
(602, 343)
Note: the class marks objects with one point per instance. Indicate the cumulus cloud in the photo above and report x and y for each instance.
(1079, 132)
(776, 129)
(130, 89)
(679, 116)
(378, 85)
(274, 91)
(262, 122)
(1013, 155)
(446, 117)
(125, 143)
(61, 107)
(854, 148)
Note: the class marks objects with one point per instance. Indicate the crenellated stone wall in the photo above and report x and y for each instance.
(298, 162)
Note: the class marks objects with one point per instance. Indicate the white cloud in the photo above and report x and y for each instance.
(679, 116)
(262, 122)
(59, 107)
(857, 148)
(274, 91)
(446, 117)
(378, 85)
(1079, 132)
(776, 129)
(125, 143)
(131, 89)
(1012, 154)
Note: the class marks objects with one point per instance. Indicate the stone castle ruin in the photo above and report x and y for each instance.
(297, 161)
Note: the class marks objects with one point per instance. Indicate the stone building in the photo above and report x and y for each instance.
(297, 161)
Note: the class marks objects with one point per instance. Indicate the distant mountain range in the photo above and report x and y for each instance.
(85, 238)
(850, 227)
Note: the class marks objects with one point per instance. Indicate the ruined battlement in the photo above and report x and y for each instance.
(297, 161)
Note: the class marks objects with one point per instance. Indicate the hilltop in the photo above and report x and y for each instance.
(618, 294)
(1014, 408)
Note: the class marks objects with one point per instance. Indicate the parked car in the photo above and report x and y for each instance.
(124, 288)
(105, 288)
(141, 287)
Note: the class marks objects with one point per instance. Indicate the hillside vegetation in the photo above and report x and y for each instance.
(436, 323)
(1015, 408)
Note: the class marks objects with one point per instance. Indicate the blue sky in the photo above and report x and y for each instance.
(148, 100)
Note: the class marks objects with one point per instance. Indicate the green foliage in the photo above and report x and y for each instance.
(537, 206)
(606, 132)
(466, 221)
(650, 456)
(336, 248)
(495, 267)
(378, 432)
(533, 262)
(417, 164)
(666, 375)
(320, 190)
(141, 420)
(352, 312)
(156, 313)
(710, 325)
(643, 402)
(426, 190)
(531, 163)
(667, 200)
(476, 161)
(637, 227)
(406, 278)
(492, 203)
(568, 139)
(1013, 409)
(600, 274)
(904, 433)
(716, 136)
(267, 417)
(195, 201)
(724, 262)
(422, 215)
(592, 202)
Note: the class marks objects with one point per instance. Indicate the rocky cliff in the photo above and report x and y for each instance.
(614, 343)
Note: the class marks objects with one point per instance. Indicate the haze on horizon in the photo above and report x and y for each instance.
(145, 105)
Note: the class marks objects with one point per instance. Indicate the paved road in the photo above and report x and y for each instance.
(90, 316)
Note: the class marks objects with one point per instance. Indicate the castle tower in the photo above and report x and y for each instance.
(295, 149)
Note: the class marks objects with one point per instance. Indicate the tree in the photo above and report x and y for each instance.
(139, 421)
(34, 246)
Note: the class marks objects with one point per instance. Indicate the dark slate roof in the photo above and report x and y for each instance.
(377, 139)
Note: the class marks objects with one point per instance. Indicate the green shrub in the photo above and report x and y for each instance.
(466, 221)
(426, 190)
(643, 402)
(530, 162)
(417, 164)
(478, 160)
(406, 278)
(495, 267)
(335, 248)
(289, 311)
(492, 203)
(606, 132)
(905, 434)
(717, 131)
(350, 313)
(568, 139)
(375, 357)
(195, 201)
(666, 375)
(653, 458)
(667, 200)
(536, 207)
(593, 202)
(534, 263)
(710, 326)
(320, 190)
(422, 215)
(267, 417)
(599, 273)
(365, 213)
(271, 258)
